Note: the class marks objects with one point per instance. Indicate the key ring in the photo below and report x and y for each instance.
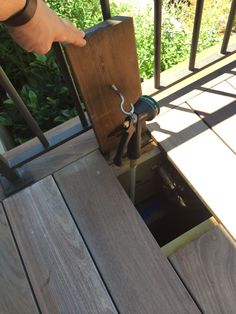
(122, 100)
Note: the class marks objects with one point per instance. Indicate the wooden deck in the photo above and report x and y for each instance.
(73, 242)
(197, 131)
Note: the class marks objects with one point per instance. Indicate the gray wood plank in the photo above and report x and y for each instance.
(61, 271)
(208, 268)
(15, 293)
(205, 162)
(60, 156)
(137, 274)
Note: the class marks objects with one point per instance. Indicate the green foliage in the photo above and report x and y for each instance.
(38, 78)
(83, 14)
(41, 86)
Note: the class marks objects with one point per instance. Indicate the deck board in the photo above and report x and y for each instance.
(61, 156)
(61, 271)
(137, 274)
(232, 79)
(208, 268)
(15, 293)
(217, 106)
(109, 57)
(204, 161)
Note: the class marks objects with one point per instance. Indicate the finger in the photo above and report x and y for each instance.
(70, 34)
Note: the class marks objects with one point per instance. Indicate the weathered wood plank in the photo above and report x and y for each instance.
(33, 147)
(217, 106)
(205, 162)
(60, 156)
(137, 274)
(109, 57)
(61, 271)
(208, 268)
(15, 294)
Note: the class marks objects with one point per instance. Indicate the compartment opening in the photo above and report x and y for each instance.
(164, 200)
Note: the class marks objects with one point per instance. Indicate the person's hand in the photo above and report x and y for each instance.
(43, 29)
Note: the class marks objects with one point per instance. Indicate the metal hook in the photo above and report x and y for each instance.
(127, 113)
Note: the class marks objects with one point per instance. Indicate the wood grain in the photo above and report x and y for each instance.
(109, 57)
(15, 294)
(62, 273)
(208, 268)
(204, 161)
(137, 274)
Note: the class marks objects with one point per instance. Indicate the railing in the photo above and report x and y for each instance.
(10, 172)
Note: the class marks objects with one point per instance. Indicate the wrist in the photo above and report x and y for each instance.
(24, 15)
(11, 8)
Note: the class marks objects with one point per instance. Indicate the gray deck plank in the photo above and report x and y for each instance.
(15, 293)
(61, 156)
(61, 271)
(208, 268)
(137, 274)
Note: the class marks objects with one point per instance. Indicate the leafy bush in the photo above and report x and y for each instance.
(40, 84)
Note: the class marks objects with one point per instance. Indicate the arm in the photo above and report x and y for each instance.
(45, 27)
(9, 8)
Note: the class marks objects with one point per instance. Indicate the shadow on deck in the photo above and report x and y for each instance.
(73, 242)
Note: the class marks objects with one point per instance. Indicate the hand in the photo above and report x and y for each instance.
(43, 29)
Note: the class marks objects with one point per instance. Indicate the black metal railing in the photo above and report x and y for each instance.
(106, 11)
(9, 171)
(195, 36)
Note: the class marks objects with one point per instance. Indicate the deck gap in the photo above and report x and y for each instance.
(186, 287)
(210, 127)
(168, 211)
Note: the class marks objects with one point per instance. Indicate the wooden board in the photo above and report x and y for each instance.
(61, 156)
(61, 271)
(15, 294)
(217, 106)
(204, 161)
(137, 274)
(207, 266)
(109, 57)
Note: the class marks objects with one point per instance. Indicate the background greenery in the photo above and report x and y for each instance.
(39, 80)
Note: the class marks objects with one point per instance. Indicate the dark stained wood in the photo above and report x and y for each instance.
(109, 57)
(208, 268)
(137, 274)
(61, 271)
(203, 159)
(15, 294)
